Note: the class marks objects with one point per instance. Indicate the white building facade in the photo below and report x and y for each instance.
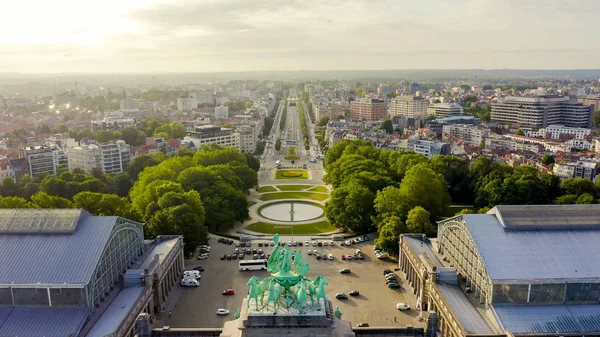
(109, 157)
(222, 111)
(444, 109)
(212, 134)
(471, 135)
(408, 106)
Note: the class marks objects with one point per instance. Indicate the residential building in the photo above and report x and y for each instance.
(113, 123)
(159, 143)
(248, 138)
(471, 135)
(580, 169)
(518, 270)
(593, 101)
(444, 109)
(503, 143)
(187, 103)
(563, 132)
(6, 170)
(66, 272)
(428, 148)
(60, 158)
(109, 157)
(408, 106)
(368, 109)
(212, 134)
(39, 159)
(542, 111)
(327, 109)
(222, 111)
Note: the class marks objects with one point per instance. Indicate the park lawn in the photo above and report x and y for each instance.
(294, 195)
(312, 228)
(293, 187)
(264, 189)
(321, 189)
(304, 174)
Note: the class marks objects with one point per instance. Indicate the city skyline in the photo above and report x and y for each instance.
(236, 35)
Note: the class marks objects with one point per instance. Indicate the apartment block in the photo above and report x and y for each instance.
(593, 101)
(109, 157)
(428, 148)
(248, 138)
(471, 135)
(580, 169)
(408, 106)
(212, 134)
(222, 112)
(368, 109)
(39, 159)
(444, 110)
(542, 111)
(330, 110)
(187, 103)
(503, 143)
(111, 123)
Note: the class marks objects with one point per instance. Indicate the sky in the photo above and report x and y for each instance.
(180, 36)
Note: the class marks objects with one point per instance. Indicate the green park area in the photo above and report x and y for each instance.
(311, 228)
(294, 187)
(321, 189)
(264, 189)
(291, 154)
(291, 174)
(294, 195)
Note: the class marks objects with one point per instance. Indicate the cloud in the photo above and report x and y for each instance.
(231, 35)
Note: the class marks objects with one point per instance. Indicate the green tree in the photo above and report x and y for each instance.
(597, 118)
(391, 94)
(577, 186)
(105, 136)
(418, 221)
(566, 199)
(278, 145)
(547, 159)
(323, 121)
(520, 132)
(60, 128)
(465, 211)
(208, 156)
(44, 200)
(9, 188)
(139, 163)
(104, 204)
(13, 202)
(351, 207)
(386, 205)
(387, 126)
(423, 187)
(121, 184)
(260, 148)
(586, 198)
(389, 235)
(43, 129)
(456, 174)
(252, 161)
(172, 131)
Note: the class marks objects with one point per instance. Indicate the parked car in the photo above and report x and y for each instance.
(203, 256)
(260, 244)
(189, 282)
(362, 325)
(345, 271)
(230, 242)
(220, 240)
(223, 257)
(349, 257)
(236, 251)
(237, 244)
(354, 293)
(326, 243)
(222, 312)
(387, 271)
(314, 244)
(300, 244)
(330, 256)
(228, 292)
(320, 244)
(402, 306)
(192, 274)
(272, 244)
(234, 257)
(366, 238)
(242, 244)
(360, 256)
(199, 268)
(393, 285)
(307, 243)
(294, 243)
(343, 257)
(331, 243)
(241, 256)
(342, 244)
(255, 256)
(318, 256)
(341, 296)
(309, 252)
(228, 257)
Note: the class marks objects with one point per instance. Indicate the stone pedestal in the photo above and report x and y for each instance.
(317, 322)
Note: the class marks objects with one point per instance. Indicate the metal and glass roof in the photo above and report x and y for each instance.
(38, 221)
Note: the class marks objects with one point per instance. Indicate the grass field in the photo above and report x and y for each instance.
(313, 228)
(293, 187)
(294, 195)
(303, 174)
(322, 189)
(264, 189)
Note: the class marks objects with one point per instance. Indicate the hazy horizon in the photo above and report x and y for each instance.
(215, 36)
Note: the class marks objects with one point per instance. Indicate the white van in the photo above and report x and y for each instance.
(191, 274)
(190, 282)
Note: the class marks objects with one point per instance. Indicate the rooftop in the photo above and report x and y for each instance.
(116, 312)
(549, 318)
(465, 311)
(41, 322)
(550, 242)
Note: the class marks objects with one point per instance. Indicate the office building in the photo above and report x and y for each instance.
(428, 148)
(541, 111)
(368, 109)
(212, 134)
(187, 103)
(471, 135)
(514, 271)
(109, 157)
(593, 100)
(39, 159)
(444, 110)
(222, 112)
(408, 106)
(113, 123)
(248, 138)
(66, 272)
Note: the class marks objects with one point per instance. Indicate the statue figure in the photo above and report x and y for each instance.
(286, 258)
(337, 313)
(300, 293)
(311, 290)
(300, 264)
(255, 292)
(237, 314)
(264, 285)
(320, 283)
(274, 293)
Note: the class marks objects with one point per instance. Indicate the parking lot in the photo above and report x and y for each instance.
(376, 304)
